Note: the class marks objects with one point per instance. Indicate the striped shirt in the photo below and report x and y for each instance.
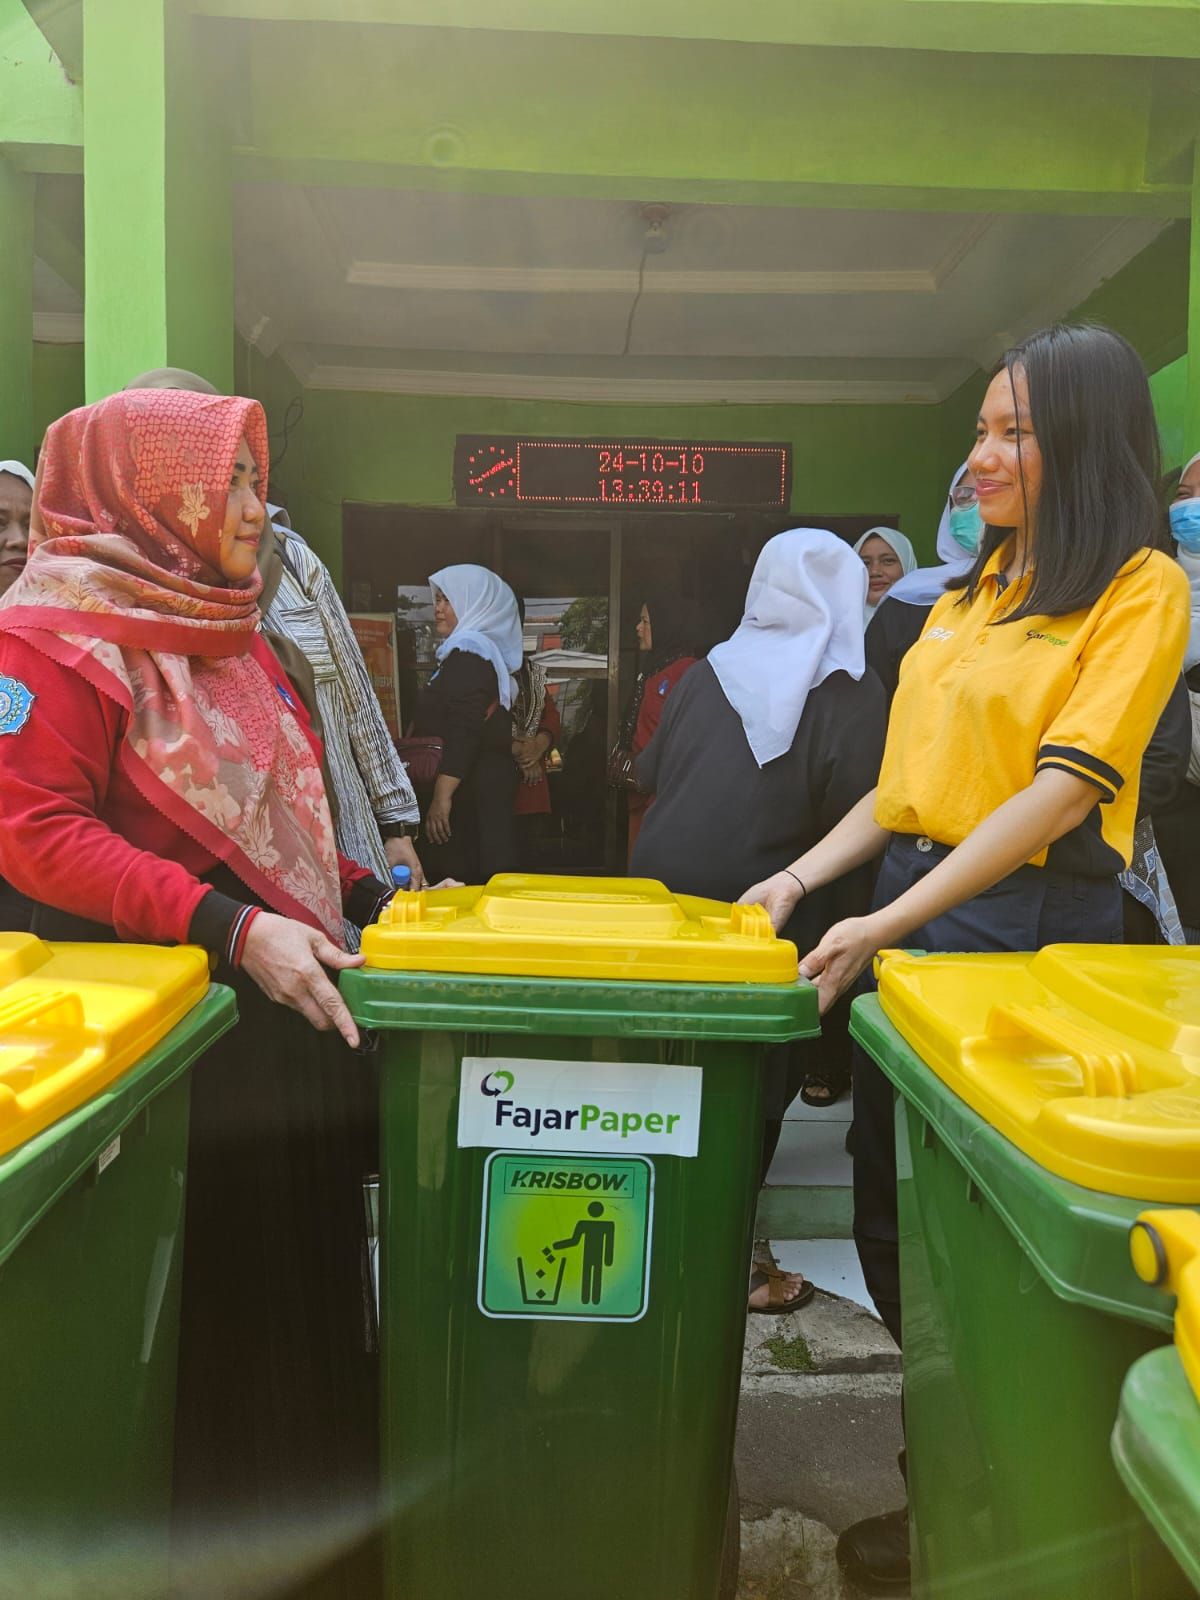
(368, 777)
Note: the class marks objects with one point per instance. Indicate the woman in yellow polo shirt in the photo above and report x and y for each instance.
(1008, 793)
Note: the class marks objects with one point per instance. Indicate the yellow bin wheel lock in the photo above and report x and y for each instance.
(1087, 1057)
(73, 1017)
(1165, 1246)
(520, 925)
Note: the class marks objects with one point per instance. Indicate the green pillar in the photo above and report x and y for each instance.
(1191, 436)
(16, 314)
(159, 247)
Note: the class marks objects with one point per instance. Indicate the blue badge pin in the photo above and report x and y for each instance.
(15, 703)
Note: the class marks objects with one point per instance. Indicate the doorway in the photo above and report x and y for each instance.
(583, 578)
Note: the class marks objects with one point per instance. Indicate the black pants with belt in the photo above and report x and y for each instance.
(1030, 908)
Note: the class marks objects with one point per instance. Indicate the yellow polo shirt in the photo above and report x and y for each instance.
(981, 708)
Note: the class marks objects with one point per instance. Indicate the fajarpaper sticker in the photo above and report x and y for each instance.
(594, 1107)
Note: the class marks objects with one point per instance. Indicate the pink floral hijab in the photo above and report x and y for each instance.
(125, 588)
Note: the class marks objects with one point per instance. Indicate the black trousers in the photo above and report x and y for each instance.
(483, 838)
(1030, 908)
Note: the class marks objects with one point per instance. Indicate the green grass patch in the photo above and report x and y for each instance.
(790, 1355)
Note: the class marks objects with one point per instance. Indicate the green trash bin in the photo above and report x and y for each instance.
(95, 1045)
(1156, 1442)
(571, 1112)
(1030, 1136)
(1156, 1446)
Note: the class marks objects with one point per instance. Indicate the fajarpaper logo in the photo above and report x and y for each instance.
(558, 1119)
(597, 1107)
(497, 1083)
(1049, 638)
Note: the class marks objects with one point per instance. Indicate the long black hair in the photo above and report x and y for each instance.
(1093, 418)
(676, 628)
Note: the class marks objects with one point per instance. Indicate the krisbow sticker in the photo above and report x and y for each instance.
(566, 1237)
(15, 703)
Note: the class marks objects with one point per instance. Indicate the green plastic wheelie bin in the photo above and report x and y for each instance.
(1043, 1101)
(1156, 1442)
(571, 1110)
(96, 1042)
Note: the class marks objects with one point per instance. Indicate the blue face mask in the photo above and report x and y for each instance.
(1185, 525)
(966, 527)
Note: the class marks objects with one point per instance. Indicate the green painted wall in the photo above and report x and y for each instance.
(394, 448)
(57, 383)
(16, 309)
(270, 380)
(547, 113)
(1147, 300)
(158, 268)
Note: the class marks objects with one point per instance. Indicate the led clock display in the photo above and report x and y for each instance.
(649, 475)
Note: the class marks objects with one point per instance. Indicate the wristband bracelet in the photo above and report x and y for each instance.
(235, 942)
(398, 830)
(800, 881)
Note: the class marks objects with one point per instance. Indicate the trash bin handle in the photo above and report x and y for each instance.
(1165, 1246)
(1105, 1071)
(17, 1014)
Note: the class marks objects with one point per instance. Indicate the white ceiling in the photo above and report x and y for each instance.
(454, 293)
(442, 293)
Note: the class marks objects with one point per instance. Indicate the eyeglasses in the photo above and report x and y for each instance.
(963, 494)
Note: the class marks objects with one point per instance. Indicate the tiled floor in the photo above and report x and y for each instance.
(812, 1153)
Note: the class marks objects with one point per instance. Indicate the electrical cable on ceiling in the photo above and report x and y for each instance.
(641, 284)
(291, 419)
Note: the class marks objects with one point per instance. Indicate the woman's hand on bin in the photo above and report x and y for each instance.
(780, 894)
(402, 853)
(842, 954)
(287, 961)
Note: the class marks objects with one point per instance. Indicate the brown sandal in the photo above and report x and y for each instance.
(778, 1304)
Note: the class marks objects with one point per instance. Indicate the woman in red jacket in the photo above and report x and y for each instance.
(162, 783)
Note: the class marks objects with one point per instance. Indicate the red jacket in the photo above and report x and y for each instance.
(654, 698)
(78, 835)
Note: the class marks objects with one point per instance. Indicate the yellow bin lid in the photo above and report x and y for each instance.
(1086, 1056)
(74, 1016)
(554, 927)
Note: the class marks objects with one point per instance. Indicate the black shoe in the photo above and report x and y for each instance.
(874, 1553)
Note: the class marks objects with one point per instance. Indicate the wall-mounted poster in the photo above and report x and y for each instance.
(376, 635)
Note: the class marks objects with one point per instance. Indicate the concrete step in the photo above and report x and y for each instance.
(808, 1190)
(818, 1435)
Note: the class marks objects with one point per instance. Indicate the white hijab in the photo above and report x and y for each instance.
(1191, 566)
(928, 584)
(19, 470)
(489, 624)
(903, 549)
(803, 620)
